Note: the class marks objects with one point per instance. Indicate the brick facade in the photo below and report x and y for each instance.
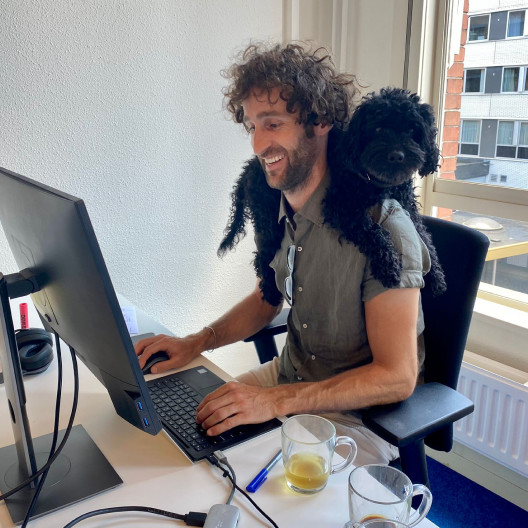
(451, 125)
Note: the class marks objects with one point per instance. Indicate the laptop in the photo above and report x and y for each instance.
(176, 397)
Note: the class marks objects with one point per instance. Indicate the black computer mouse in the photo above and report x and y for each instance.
(161, 355)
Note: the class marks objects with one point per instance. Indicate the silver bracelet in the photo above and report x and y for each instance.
(214, 333)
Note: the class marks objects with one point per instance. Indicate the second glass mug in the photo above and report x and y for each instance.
(377, 523)
(382, 492)
(308, 444)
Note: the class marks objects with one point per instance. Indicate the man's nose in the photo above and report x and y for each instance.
(259, 142)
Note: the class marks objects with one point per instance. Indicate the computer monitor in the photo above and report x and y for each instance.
(50, 234)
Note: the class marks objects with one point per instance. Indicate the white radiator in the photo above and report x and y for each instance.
(498, 428)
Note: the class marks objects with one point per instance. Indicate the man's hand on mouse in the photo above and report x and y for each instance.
(181, 350)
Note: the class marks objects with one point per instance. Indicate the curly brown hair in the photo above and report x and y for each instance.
(307, 80)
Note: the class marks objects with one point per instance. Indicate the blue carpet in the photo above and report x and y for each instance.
(460, 503)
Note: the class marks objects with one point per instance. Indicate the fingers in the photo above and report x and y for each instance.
(231, 405)
(163, 366)
(140, 346)
(146, 347)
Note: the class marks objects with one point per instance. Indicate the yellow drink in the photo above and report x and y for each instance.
(307, 471)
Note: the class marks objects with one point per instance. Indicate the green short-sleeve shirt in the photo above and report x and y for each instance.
(331, 282)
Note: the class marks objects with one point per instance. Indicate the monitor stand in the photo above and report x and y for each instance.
(79, 472)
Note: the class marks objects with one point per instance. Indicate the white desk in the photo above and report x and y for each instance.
(156, 473)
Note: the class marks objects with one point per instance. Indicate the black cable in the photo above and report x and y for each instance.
(55, 432)
(191, 518)
(257, 507)
(218, 459)
(66, 434)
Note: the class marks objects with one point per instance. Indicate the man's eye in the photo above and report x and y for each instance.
(274, 126)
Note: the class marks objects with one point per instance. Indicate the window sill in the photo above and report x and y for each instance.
(499, 333)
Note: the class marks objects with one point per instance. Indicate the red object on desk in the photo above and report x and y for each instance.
(24, 324)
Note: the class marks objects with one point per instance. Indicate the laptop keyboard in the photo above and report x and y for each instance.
(176, 402)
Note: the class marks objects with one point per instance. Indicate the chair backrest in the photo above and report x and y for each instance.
(461, 252)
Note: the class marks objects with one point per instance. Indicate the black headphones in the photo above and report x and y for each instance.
(35, 349)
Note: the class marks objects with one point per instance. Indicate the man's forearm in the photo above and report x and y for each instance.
(243, 320)
(355, 389)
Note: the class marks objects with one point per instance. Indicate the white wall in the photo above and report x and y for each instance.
(120, 103)
(367, 37)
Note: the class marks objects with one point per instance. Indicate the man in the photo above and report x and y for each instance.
(351, 342)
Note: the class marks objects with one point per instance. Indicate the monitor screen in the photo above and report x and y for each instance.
(50, 234)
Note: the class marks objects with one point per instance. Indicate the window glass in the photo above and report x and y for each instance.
(470, 131)
(469, 138)
(484, 140)
(510, 79)
(478, 27)
(505, 135)
(522, 150)
(516, 24)
(474, 81)
(507, 260)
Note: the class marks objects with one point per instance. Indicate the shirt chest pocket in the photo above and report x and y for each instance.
(279, 264)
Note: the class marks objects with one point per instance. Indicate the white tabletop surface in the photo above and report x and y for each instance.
(156, 473)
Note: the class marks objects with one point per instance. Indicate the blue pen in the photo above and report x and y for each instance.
(255, 484)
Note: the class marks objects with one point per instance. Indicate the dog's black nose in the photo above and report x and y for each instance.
(396, 156)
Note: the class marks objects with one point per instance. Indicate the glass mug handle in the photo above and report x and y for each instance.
(425, 505)
(342, 440)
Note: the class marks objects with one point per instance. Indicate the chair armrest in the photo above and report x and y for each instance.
(277, 326)
(264, 340)
(429, 408)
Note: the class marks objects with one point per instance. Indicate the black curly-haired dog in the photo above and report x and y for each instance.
(390, 136)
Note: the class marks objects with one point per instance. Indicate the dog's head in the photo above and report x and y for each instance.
(391, 136)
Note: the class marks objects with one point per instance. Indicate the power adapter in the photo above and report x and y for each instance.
(222, 516)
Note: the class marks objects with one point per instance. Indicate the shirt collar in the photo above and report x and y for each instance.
(313, 208)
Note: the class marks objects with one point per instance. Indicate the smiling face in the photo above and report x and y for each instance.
(286, 153)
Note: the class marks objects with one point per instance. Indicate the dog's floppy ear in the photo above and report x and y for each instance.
(432, 153)
(240, 206)
(348, 142)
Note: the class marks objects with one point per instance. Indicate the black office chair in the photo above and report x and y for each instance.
(426, 418)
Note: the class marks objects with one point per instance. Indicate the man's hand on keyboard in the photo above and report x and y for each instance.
(235, 404)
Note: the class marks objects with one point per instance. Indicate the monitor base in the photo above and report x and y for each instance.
(79, 472)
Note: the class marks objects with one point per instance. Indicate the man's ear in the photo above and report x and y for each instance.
(321, 130)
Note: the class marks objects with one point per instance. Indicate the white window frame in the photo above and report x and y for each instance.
(482, 80)
(520, 80)
(514, 142)
(460, 142)
(519, 144)
(525, 29)
(469, 27)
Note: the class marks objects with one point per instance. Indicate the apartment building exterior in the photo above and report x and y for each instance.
(493, 135)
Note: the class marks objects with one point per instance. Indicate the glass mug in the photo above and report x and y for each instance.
(308, 444)
(377, 523)
(385, 493)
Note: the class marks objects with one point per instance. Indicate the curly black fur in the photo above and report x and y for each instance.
(391, 135)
